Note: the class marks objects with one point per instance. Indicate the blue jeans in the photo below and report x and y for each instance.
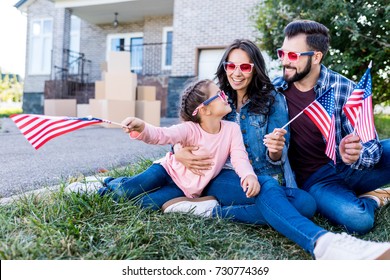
(151, 179)
(287, 210)
(335, 189)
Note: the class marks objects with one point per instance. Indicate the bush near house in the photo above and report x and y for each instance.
(11, 92)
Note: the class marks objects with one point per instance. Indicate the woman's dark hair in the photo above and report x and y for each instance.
(317, 35)
(193, 95)
(260, 88)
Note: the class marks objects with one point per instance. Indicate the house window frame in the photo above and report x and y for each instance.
(166, 29)
(42, 55)
(127, 37)
(74, 42)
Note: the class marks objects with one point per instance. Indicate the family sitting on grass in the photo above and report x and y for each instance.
(231, 158)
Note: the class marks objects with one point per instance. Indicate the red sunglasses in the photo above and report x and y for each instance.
(292, 56)
(221, 94)
(244, 67)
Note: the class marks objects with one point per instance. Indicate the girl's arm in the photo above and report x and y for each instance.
(140, 130)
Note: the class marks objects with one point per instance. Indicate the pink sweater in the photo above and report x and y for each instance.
(228, 141)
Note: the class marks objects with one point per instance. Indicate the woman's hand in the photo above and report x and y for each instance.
(195, 163)
(275, 142)
(350, 148)
(251, 186)
(133, 124)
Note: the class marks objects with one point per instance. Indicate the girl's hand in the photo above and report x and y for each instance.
(251, 186)
(133, 124)
(195, 163)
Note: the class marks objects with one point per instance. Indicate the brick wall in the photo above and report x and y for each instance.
(207, 23)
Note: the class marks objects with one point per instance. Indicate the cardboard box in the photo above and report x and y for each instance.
(100, 90)
(83, 110)
(60, 107)
(148, 111)
(104, 67)
(112, 110)
(118, 62)
(147, 93)
(120, 86)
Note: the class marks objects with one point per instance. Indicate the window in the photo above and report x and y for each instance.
(136, 54)
(132, 42)
(41, 41)
(74, 45)
(167, 48)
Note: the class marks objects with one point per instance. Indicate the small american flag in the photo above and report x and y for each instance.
(321, 112)
(39, 129)
(358, 108)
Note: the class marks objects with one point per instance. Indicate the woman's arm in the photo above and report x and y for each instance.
(195, 163)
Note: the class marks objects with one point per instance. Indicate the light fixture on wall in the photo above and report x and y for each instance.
(115, 23)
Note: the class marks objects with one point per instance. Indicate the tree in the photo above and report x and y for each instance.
(10, 88)
(359, 32)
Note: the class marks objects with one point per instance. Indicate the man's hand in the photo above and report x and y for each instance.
(350, 148)
(195, 163)
(251, 186)
(275, 143)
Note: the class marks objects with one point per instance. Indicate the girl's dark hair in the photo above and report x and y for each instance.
(192, 97)
(260, 88)
(317, 35)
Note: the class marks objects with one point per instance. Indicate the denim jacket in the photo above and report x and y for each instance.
(253, 127)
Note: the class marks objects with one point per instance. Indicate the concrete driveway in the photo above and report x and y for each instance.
(81, 152)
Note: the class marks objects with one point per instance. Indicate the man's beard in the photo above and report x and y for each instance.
(299, 76)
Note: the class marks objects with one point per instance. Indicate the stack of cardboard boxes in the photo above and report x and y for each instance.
(115, 94)
(147, 107)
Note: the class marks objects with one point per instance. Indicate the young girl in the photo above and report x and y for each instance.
(203, 106)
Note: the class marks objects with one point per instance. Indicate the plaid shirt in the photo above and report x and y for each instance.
(372, 150)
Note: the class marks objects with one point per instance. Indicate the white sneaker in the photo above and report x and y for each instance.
(332, 246)
(87, 187)
(202, 206)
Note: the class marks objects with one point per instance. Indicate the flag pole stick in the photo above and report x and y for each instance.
(295, 117)
(114, 123)
(107, 121)
(300, 113)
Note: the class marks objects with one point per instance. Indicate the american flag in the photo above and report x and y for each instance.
(321, 112)
(39, 129)
(358, 108)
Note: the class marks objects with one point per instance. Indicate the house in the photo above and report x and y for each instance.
(170, 42)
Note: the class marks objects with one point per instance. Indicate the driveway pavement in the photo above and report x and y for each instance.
(81, 152)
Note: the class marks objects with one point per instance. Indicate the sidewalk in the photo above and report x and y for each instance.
(82, 152)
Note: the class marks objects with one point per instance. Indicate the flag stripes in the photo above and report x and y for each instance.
(39, 129)
(365, 126)
(358, 108)
(321, 113)
(320, 118)
(352, 107)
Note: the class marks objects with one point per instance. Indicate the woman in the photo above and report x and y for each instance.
(259, 111)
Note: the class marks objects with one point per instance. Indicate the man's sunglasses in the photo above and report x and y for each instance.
(244, 67)
(292, 56)
(221, 94)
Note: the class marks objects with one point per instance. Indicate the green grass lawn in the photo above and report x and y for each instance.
(70, 226)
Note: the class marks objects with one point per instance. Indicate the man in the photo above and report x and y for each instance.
(346, 192)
